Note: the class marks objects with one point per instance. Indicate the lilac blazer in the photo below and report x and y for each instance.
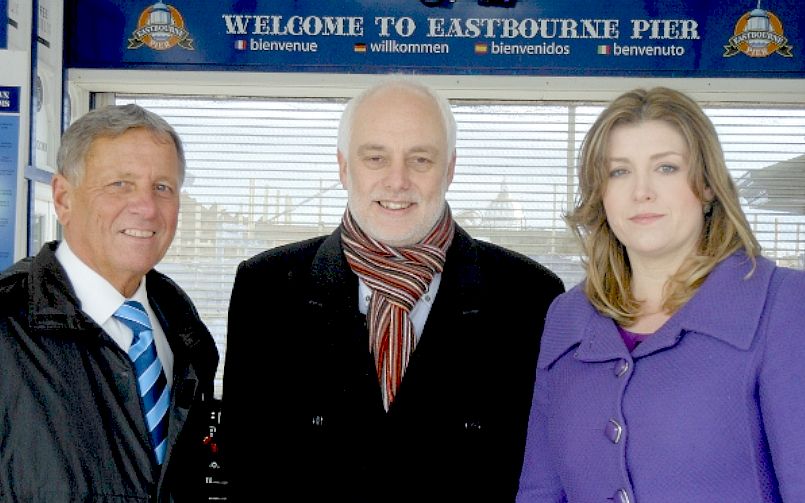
(711, 408)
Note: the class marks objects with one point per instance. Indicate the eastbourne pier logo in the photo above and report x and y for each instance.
(758, 33)
(160, 27)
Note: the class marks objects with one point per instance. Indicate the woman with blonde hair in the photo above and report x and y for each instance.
(676, 370)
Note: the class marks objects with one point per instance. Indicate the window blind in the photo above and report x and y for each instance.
(263, 172)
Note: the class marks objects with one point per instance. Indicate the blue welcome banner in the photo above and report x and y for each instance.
(663, 38)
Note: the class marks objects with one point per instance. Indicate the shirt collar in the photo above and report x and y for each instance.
(97, 297)
(365, 294)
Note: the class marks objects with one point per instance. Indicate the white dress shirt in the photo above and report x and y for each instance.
(99, 300)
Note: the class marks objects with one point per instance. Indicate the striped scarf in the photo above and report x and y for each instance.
(397, 276)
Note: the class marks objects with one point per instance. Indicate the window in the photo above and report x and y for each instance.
(263, 172)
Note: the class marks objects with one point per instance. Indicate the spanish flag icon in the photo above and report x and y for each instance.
(481, 48)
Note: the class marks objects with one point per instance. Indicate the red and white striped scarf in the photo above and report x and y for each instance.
(397, 276)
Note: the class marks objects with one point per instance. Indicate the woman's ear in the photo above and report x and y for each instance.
(707, 206)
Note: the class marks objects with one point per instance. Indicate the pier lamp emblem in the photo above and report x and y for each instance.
(160, 27)
(758, 34)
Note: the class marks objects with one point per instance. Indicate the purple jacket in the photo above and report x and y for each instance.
(710, 408)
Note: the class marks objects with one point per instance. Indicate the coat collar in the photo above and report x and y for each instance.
(52, 302)
(333, 285)
(727, 307)
(463, 275)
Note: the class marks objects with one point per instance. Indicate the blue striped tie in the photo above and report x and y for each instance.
(151, 382)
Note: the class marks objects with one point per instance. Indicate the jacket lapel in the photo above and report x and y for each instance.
(183, 340)
(453, 324)
(331, 293)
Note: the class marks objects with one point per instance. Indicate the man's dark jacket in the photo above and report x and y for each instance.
(303, 414)
(71, 425)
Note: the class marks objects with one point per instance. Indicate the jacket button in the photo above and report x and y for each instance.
(622, 496)
(621, 368)
(317, 420)
(613, 431)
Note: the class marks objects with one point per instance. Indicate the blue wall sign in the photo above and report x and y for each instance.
(663, 38)
(9, 150)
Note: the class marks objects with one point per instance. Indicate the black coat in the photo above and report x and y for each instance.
(298, 350)
(71, 425)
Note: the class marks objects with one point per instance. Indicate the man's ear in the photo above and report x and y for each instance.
(342, 169)
(451, 168)
(62, 197)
